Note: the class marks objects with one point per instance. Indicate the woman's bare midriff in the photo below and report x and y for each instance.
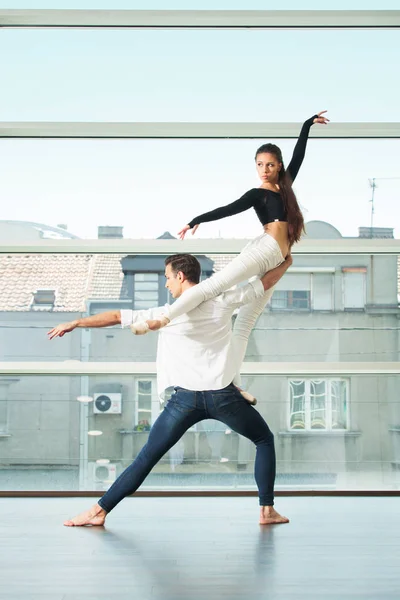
(279, 231)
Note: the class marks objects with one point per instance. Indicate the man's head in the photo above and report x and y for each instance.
(181, 272)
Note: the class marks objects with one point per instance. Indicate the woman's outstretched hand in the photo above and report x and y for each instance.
(321, 119)
(185, 229)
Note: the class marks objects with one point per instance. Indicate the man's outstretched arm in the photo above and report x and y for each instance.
(106, 319)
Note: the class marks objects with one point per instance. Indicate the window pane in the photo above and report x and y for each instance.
(144, 387)
(49, 446)
(140, 304)
(32, 170)
(297, 404)
(90, 284)
(290, 300)
(299, 299)
(322, 291)
(295, 281)
(144, 406)
(149, 296)
(318, 404)
(145, 278)
(339, 404)
(354, 290)
(146, 286)
(198, 72)
(279, 299)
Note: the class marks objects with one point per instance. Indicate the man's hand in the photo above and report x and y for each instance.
(61, 329)
(289, 260)
(272, 277)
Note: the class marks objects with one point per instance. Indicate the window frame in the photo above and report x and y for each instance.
(355, 271)
(328, 406)
(153, 278)
(154, 401)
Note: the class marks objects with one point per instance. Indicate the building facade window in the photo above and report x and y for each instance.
(291, 300)
(143, 404)
(322, 291)
(305, 290)
(354, 288)
(318, 404)
(145, 290)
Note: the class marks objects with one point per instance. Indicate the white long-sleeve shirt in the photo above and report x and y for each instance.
(194, 351)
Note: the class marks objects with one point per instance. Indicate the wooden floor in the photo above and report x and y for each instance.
(201, 549)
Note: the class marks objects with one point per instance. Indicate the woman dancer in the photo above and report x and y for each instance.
(279, 213)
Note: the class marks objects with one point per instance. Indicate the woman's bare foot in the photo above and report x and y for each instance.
(143, 327)
(155, 325)
(140, 328)
(94, 516)
(269, 516)
(247, 396)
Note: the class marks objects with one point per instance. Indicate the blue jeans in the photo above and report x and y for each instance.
(184, 409)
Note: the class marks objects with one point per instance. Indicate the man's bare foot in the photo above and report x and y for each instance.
(94, 516)
(269, 516)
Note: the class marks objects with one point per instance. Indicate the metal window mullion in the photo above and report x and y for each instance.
(86, 130)
(293, 370)
(199, 19)
(308, 247)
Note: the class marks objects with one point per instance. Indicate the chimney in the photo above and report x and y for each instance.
(166, 236)
(376, 232)
(109, 232)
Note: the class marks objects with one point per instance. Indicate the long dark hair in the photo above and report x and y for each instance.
(294, 216)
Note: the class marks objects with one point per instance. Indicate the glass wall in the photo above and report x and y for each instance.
(153, 186)
(326, 308)
(198, 75)
(79, 433)
(70, 433)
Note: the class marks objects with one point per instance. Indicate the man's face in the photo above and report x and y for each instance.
(173, 282)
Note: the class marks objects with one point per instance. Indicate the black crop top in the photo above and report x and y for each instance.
(267, 204)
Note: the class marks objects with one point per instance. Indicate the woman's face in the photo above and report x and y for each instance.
(268, 167)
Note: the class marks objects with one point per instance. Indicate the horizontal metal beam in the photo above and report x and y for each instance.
(200, 19)
(341, 246)
(75, 367)
(194, 130)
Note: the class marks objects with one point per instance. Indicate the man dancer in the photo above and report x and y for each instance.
(196, 355)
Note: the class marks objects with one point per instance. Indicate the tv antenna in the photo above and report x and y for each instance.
(373, 185)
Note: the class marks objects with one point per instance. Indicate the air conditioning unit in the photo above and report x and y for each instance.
(101, 476)
(107, 404)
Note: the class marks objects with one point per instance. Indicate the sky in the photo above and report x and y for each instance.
(151, 186)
